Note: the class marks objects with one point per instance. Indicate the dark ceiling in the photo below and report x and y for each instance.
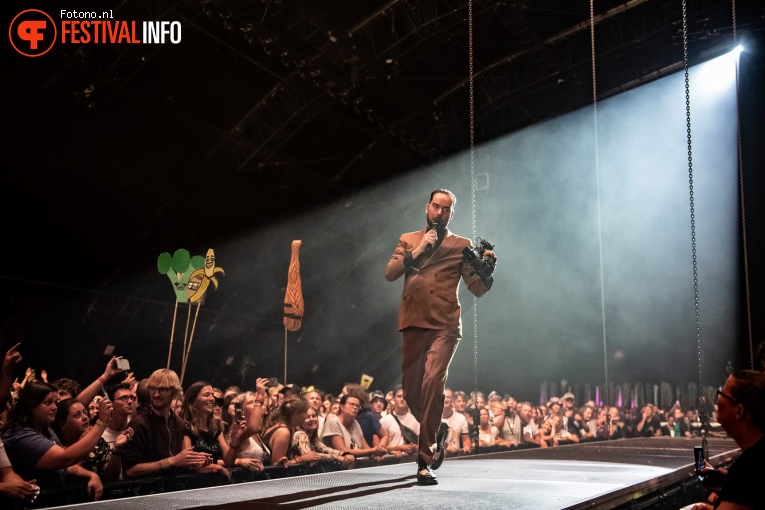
(268, 108)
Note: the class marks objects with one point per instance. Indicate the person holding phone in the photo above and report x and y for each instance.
(245, 446)
(741, 412)
(34, 449)
(97, 387)
(72, 422)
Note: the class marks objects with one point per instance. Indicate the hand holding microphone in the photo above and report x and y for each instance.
(428, 241)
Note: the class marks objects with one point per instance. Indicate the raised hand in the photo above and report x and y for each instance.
(111, 368)
(105, 410)
(260, 386)
(12, 357)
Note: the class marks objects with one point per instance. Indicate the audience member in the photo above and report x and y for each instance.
(344, 433)
(156, 447)
(12, 486)
(507, 422)
(93, 407)
(649, 425)
(741, 411)
(374, 433)
(231, 390)
(123, 402)
(402, 428)
(306, 439)
(676, 425)
(378, 404)
(487, 432)
(458, 438)
(589, 428)
(201, 432)
(248, 447)
(562, 435)
(547, 434)
(315, 400)
(615, 424)
(36, 453)
(72, 421)
(529, 427)
(277, 439)
(459, 403)
(67, 388)
(218, 408)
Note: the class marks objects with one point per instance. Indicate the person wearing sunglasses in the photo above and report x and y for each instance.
(741, 412)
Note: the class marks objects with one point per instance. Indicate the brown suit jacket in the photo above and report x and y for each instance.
(429, 299)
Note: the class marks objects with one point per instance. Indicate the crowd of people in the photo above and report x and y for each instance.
(121, 428)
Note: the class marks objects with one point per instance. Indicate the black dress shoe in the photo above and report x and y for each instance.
(424, 475)
(438, 457)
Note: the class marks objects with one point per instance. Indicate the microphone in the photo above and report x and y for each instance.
(436, 227)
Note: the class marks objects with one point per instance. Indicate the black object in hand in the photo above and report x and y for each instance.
(474, 256)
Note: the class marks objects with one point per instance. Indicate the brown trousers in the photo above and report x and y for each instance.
(427, 354)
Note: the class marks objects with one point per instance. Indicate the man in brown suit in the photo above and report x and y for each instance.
(429, 317)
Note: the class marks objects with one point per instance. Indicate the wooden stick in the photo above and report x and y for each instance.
(172, 334)
(285, 355)
(185, 339)
(191, 339)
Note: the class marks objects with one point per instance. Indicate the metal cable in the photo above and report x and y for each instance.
(741, 198)
(597, 182)
(690, 184)
(472, 182)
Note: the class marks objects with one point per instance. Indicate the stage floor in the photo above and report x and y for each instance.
(594, 475)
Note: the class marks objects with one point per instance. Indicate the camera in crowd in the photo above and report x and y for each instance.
(474, 256)
(475, 414)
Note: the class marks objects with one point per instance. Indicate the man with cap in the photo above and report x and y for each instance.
(568, 411)
(379, 403)
(369, 420)
(290, 389)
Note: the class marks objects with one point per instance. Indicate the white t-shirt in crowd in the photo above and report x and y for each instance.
(353, 438)
(394, 431)
(458, 425)
(488, 437)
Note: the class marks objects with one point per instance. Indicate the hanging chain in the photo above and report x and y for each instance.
(741, 197)
(472, 182)
(597, 182)
(693, 215)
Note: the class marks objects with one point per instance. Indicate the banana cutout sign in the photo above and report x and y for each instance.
(190, 277)
(201, 278)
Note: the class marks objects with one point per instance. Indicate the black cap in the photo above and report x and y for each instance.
(293, 388)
